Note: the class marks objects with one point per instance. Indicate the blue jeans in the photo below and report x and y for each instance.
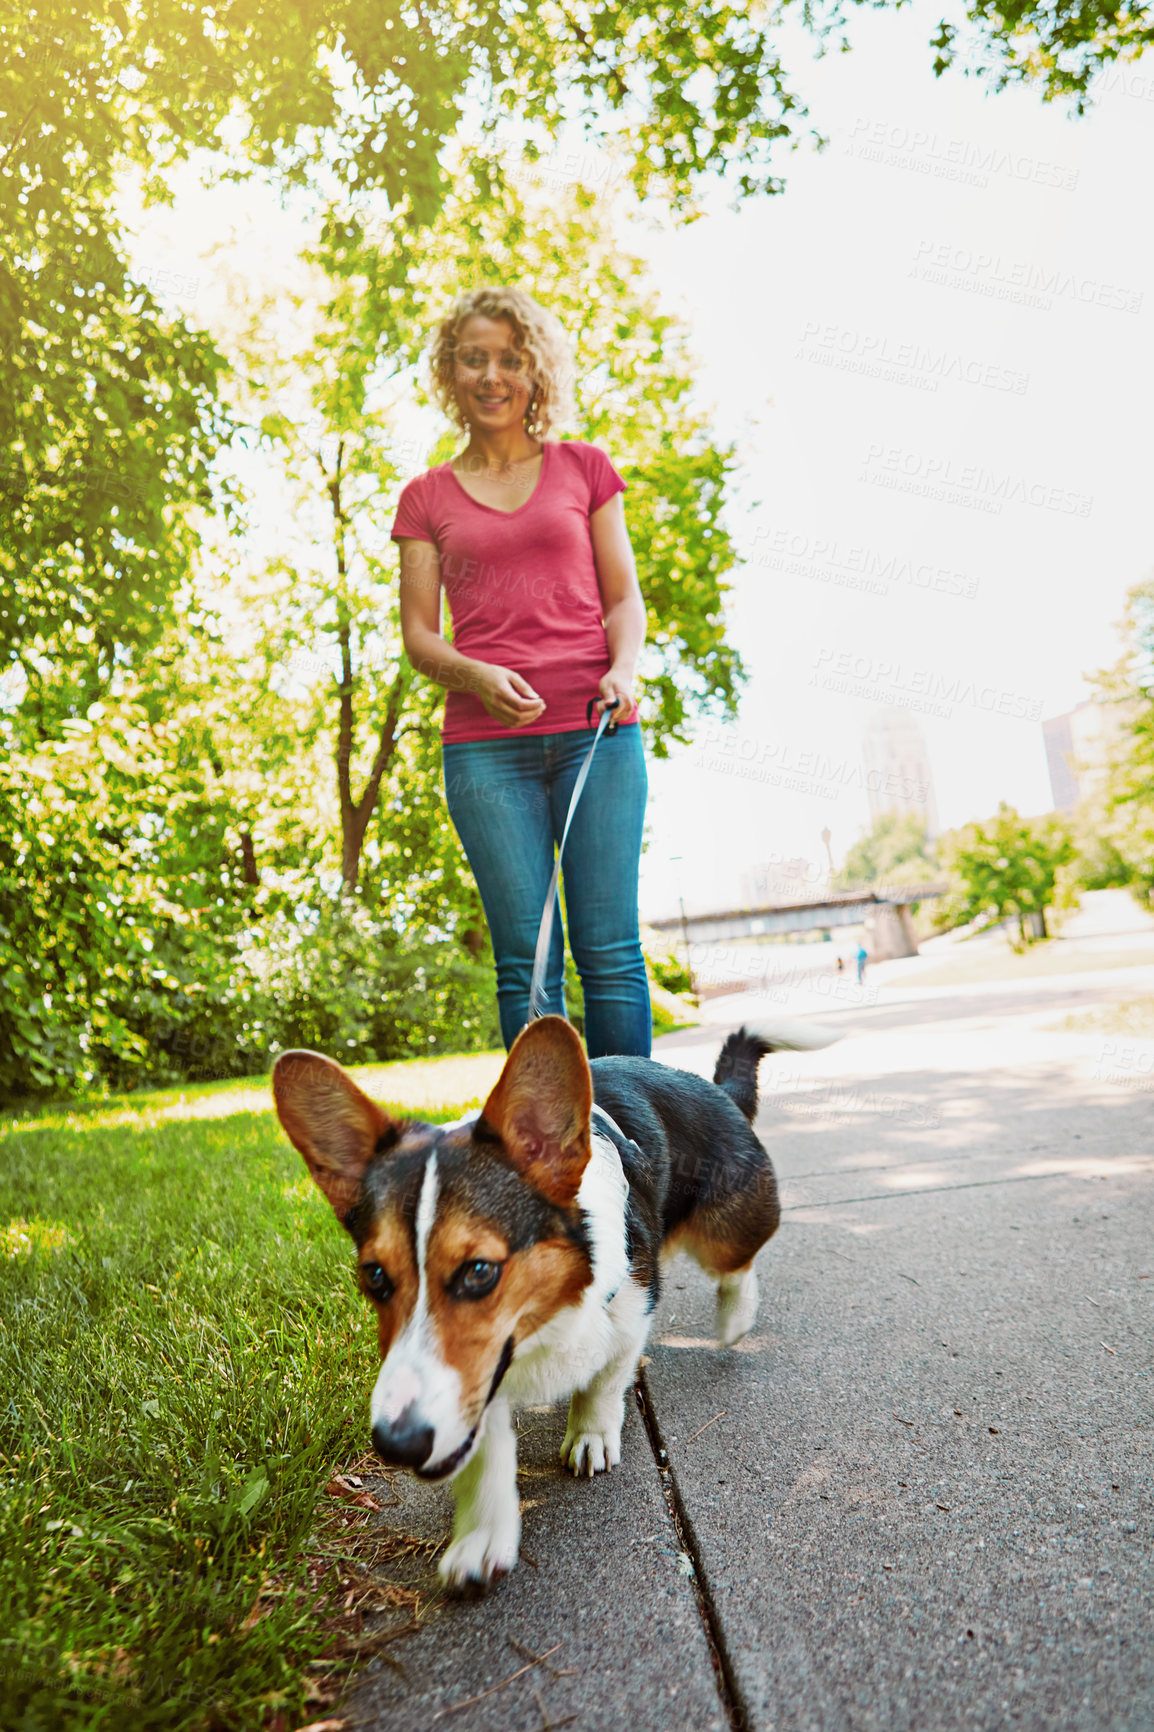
(508, 799)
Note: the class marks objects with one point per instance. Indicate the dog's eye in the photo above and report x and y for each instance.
(376, 1283)
(475, 1279)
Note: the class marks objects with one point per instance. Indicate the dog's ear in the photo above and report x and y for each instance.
(540, 1108)
(333, 1123)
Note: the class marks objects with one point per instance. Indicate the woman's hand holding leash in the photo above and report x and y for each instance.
(616, 687)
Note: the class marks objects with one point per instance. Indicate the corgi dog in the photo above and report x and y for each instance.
(514, 1257)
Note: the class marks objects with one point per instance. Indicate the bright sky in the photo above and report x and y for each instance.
(931, 350)
(990, 237)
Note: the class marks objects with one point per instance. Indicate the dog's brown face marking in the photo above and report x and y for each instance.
(535, 1283)
(485, 1217)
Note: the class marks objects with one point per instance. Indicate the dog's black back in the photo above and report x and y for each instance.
(697, 1173)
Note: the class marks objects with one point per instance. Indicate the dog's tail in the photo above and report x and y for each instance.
(737, 1062)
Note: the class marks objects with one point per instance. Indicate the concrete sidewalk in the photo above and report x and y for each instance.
(919, 1495)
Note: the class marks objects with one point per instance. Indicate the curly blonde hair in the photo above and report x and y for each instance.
(536, 331)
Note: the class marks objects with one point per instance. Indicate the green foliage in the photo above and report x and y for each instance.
(1060, 49)
(349, 984)
(187, 1363)
(92, 936)
(665, 966)
(1116, 826)
(1006, 868)
(135, 945)
(108, 416)
(109, 403)
(895, 850)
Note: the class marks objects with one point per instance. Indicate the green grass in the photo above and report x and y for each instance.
(183, 1363)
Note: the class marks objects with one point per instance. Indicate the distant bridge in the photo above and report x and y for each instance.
(885, 910)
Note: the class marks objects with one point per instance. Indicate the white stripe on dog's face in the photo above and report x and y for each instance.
(414, 1375)
(426, 1214)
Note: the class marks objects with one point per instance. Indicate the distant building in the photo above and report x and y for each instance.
(1080, 747)
(898, 777)
(1059, 738)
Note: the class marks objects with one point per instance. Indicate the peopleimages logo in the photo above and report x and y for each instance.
(852, 565)
(725, 752)
(967, 484)
(872, 355)
(1021, 281)
(925, 689)
(924, 151)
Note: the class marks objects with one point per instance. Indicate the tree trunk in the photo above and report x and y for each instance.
(248, 858)
(355, 814)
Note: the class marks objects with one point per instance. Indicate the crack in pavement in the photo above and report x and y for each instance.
(940, 1190)
(732, 1706)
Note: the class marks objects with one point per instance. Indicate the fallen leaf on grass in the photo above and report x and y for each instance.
(344, 1488)
(256, 1613)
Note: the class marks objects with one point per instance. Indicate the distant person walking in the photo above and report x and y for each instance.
(525, 534)
(862, 959)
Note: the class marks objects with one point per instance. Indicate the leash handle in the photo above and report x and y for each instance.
(609, 707)
(545, 930)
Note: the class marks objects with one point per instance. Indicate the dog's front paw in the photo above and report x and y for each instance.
(480, 1557)
(590, 1450)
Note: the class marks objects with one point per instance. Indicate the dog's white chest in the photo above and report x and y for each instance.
(577, 1343)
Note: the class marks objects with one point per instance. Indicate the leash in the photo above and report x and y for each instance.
(545, 930)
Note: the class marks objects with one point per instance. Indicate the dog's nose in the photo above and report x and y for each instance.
(407, 1443)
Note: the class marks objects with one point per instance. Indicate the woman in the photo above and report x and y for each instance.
(526, 535)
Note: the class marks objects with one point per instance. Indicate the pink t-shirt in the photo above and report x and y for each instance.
(521, 585)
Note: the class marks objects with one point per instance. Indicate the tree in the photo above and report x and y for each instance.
(1119, 820)
(108, 421)
(1060, 49)
(894, 850)
(243, 845)
(328, 405)
(1006, 867)
(108, 403)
